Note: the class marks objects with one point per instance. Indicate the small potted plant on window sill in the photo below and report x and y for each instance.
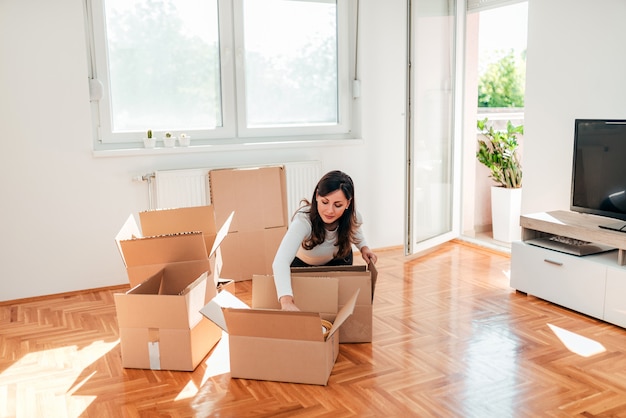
(149, 141)
(169, 141)
(497, 150)
(184, 140)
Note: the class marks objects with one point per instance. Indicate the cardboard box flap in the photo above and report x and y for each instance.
(163, 249)
(129, 230)
(319, 270)
(173, 221)
(221, 234)
(213, 310)
(286, 325)
(138, 274)
(149, 305)
(315, 294)
(344, 313)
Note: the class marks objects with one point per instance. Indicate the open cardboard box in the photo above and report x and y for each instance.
(160, 324)
(277, 345)
(170, 236)
(357, 328)
(258, 196)
(171, 278)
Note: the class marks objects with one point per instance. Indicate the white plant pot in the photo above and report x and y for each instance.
(506, 206)
(149, 142)
(169, 142)
(184, 141)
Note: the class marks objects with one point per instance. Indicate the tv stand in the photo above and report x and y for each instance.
(615, 226)
(594, 285)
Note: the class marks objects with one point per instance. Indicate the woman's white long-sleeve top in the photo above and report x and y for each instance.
(291, 246)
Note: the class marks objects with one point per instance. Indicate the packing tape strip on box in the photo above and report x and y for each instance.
(153, 349)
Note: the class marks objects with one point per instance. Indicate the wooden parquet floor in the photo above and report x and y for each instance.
(451, 339)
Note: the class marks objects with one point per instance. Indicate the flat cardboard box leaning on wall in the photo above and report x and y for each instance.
(259, 197)
(357, 328)
(257, 194)
(279, 345)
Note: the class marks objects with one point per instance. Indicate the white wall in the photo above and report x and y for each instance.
(62, 206)
(575, 69)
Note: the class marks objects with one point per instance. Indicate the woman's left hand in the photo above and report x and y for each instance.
(368, 255)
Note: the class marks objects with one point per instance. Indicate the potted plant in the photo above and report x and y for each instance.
(498, 151)
(149, 141)
(169, 140)
(184, 140)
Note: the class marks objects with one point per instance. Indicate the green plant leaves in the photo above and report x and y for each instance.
(497, 150)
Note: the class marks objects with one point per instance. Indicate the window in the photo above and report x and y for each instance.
(220, 70)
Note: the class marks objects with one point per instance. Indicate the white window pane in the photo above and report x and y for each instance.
(290, 62)
(164, 68)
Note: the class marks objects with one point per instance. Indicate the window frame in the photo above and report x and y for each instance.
(234, 129)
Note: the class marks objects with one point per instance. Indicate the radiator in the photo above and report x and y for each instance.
(190, 187)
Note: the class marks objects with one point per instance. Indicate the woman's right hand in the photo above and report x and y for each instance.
(287, 303)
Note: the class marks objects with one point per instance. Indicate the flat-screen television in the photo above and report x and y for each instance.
(599, 170)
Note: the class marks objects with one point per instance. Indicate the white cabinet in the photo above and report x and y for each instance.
(570, 281)
(615, 302)
(594, 285)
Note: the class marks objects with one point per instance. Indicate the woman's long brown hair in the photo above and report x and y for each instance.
(347, 225)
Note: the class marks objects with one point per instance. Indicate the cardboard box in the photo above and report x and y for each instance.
(258, 196)
(171, 276)
(358, 328)
(170, 236)
(279, 345)
(160, 324)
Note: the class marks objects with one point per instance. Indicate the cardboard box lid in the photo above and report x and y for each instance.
(286, 325)
(138, 274)
(315, 294)
(129, 230)
(213, 309)
(257, 194)
(163, 249)
(137, 250)
(172, 221)
(320, 270)
(166, 300)
(243, 321)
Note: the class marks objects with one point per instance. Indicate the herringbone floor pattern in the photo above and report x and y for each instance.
(451, 339)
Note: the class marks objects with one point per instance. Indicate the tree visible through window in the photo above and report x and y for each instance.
(502, 56)
(291, 62)
(164, 64)
(502, 84)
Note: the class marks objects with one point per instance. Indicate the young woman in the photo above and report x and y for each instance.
(321, 233)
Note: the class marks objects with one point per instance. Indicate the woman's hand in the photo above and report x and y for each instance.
(287, 303)
(368, 255)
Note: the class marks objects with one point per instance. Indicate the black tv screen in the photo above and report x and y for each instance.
(599, 169)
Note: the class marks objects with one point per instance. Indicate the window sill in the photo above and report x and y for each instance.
(268, 145)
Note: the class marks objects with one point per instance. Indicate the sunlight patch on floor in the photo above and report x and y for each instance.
(576, 343)
(49, 375)
(218, 362)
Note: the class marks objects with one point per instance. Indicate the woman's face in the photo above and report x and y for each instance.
(332, 206)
